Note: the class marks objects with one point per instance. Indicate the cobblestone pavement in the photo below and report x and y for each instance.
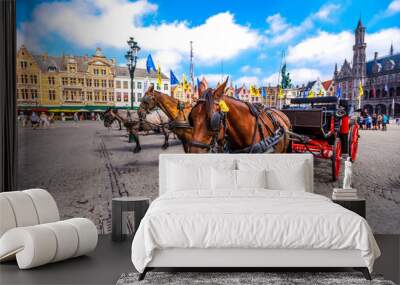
(85, 166)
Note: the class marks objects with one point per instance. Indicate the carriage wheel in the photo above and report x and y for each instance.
(336, 159)
(353, 141)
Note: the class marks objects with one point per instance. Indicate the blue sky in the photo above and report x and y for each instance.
(242, 39)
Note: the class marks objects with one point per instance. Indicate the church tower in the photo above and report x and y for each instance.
(359, 65)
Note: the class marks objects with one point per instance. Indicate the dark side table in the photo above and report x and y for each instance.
(127, 212)
(357, 205)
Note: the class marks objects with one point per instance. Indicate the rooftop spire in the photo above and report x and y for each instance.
(391, 49)
(359, 24)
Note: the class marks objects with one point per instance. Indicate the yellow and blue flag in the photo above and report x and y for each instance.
(159, 77)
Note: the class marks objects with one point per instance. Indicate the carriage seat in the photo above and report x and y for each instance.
(31, 231)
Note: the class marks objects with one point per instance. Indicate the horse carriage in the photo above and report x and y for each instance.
(325, 129)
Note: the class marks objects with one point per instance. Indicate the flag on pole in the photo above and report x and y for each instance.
(281, 94)
(311, 94)
(185, 84)
(150, 64)
(172, 78)
(361, 90)
(159, 77)
(339, 91)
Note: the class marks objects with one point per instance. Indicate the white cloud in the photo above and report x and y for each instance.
(251, 69)
(213, 78)
(247, 80)
(326, 49)
(262, 56)
(91, 23)
(326, 11)
(393, 8)
(281, 31)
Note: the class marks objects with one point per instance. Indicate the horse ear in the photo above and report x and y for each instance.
(151, 88)
(202, 87)
(219, 92)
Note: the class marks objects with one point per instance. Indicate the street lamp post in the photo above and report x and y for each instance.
(131, 57)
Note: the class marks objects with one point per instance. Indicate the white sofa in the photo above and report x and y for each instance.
(31, 231)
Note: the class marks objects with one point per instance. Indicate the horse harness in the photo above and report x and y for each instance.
(267, 143)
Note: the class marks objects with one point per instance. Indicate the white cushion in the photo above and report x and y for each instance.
(223, 179)
(23, 208)
(292, 179)
(46, 207)
(67, 240)
(40, 244)
(251, 178)
(7, 218)
(182, 177)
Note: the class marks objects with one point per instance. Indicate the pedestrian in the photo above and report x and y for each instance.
(35, 121)
(360, 121)
(374, 121)
(385, 121)
(379, 121)
(98, 118)
(369, 122)
(76, 119)
(44, 121)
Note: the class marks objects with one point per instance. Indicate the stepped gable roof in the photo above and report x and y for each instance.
(309, 85)
(326, 84)
(388, 63)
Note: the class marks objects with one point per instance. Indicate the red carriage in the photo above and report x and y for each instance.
(325, 127)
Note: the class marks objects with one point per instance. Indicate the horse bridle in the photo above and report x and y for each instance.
(217, 120)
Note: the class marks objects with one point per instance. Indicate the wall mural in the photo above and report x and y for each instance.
(89, 132)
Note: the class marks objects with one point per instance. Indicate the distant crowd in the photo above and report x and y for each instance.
(374, 122)
(44, 120)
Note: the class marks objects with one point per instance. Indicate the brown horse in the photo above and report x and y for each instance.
(222, 123)
(176, 111)
(133, 125)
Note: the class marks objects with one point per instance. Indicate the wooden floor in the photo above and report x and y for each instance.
(110, 260)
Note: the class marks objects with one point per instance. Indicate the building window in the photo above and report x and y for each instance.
(96, 71)
(125, 84)
(111, 97)
(118, 96)
(165, 87)
(81, 81)
(82, 93)
(96, 83)
(117, 84)
(51, 80)
(104, 83)
(23, 64)
(158, 87)
(89, 96)
(126, 97)
(33, 79)
(139, 95)
(88, 82)
(104, 97)
(110, 83)
(52, 95)
(139, 85)
(73, 95)
(72, 81)
(17, 93)
(103, 72)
